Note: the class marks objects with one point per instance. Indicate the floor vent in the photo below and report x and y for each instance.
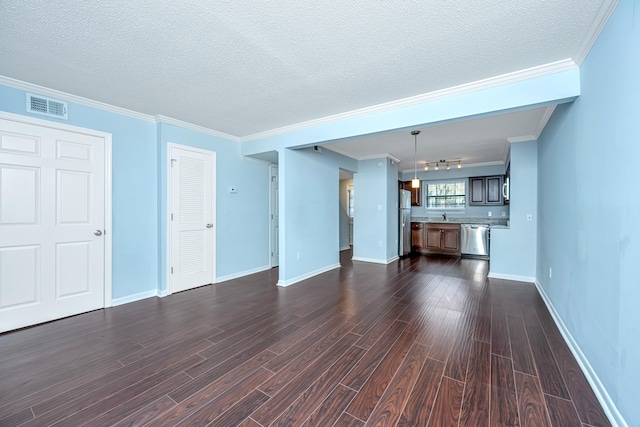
(46, 106)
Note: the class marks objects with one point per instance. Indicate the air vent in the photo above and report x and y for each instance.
(46, 106)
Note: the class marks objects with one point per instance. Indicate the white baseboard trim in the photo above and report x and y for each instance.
(135, 297)
(599, 390)
(375, 260)
(513, 277)
(289, 282)
(163, 294)
(344, 248)
(242, 273)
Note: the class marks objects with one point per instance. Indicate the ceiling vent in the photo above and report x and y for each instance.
(46, 106)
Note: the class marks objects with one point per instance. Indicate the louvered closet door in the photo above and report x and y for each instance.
(52, 187)
(192, 218)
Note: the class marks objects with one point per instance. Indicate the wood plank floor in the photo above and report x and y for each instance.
(424, 341)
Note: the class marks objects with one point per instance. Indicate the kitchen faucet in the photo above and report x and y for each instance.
(444, 216)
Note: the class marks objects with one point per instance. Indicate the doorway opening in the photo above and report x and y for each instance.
(346, 215)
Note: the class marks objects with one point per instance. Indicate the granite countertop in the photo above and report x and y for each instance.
(499, 222)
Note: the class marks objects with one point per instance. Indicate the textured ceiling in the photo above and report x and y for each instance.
(248, 67)
(474, 141)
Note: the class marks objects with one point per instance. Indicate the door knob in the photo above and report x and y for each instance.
(209, 225)
(98, 232)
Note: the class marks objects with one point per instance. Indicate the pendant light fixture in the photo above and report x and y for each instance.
(415, 182)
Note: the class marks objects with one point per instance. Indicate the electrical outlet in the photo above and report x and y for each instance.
(490, 213)
(380, 243)
(298, 255)
(379, 207)
(504, 214)
(550, 272)
(529, 217)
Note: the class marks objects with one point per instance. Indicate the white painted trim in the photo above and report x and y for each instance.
(272, 166)
(289, 282)
(545, 118)
(516, 76)
(64, 96)
(171, 145)
(514, 277)
(242, 273)
(108, 239)
(186, 125)
(600, 20)
(375, 260)
(470, 165)
(344, 248)
(523, 138)
(135, 297)
(599, 390)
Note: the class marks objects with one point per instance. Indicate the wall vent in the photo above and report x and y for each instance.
(46, 106)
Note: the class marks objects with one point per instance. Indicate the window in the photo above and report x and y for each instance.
(446, 195)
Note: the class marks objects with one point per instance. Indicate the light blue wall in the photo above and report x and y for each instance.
(513, 250)
(371, 214)
(443, 175)
(134, 183)
(139, 190)
(393, 228)
(242, 219)
(553, 88)
(309, 206)
(589, 230)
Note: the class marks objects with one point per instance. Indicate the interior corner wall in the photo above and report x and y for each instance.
(134, 194)
(589, 233)
(309, 212)
(513, 250)
(393, 214)
(370, 223)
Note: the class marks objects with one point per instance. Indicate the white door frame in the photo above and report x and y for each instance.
(108, 230)
(171, 145)
(272, 237)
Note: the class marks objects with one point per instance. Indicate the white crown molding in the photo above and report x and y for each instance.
(598, 23)
(545, 118)
(64, 96)
(365, 157)
(516, 76)
(523, 138)
(171, 121)
(464, 165)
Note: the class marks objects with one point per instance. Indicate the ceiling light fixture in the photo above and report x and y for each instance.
(426, 167)
(459, 164)
(445, 163)
(448, 167)
(437, 166)
(415, 182)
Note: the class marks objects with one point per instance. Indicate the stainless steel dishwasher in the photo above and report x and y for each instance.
(474, 240)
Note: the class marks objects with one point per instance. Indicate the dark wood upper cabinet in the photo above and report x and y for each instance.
(416, 194)
(485, 190)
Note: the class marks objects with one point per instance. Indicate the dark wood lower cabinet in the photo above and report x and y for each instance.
(436, 238)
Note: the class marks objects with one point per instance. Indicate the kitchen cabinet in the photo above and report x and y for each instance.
(417, 236)
(416, 194)
(435, 238)
(485, 190)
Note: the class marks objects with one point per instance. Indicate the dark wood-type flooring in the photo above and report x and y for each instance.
(424, 341)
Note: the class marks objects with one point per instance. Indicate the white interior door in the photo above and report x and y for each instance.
(275, 217)
(52, 221)
(192, 218)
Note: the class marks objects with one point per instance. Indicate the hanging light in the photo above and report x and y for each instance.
(415, 182)
(448, 167)
(459, 164)
(426, 167)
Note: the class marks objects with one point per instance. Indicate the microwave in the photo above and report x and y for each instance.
(505, 189)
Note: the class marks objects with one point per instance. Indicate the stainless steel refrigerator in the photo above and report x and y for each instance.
(404, 240)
